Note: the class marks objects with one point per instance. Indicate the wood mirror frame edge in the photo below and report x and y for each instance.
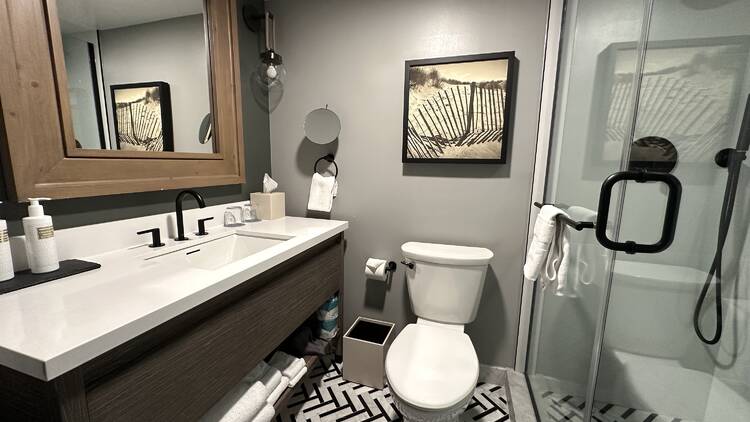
(35, 121)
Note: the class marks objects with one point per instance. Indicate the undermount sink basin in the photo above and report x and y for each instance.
(219, 252)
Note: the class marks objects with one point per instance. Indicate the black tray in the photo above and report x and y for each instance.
(26, 278)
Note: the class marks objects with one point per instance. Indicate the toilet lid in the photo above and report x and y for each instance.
(432, 367)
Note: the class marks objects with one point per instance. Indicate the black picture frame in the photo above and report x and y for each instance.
(502, 109)
(165, 108)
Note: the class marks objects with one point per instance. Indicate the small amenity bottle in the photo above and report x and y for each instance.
(41, 249)
(6, 260)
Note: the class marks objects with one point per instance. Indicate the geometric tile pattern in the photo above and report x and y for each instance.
(564, 408)
(325, 396)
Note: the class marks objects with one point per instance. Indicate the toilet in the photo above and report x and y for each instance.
(431, 366)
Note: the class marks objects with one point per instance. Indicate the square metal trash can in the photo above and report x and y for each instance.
(365, 346)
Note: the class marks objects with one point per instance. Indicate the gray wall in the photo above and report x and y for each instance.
(78, 212)
(179, 58)
(350, 55)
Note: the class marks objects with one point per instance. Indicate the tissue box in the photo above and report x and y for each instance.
(270, 206)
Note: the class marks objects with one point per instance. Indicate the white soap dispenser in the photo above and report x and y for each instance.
(6, 259)
(41, 249)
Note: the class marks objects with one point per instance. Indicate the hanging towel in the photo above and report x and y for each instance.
(265, 415)
(322, 191)
(548, 255)
(241, 404)
(586, 256)
(293, 382)
(278, 391)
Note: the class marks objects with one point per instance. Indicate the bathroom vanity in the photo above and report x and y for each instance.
(161, 334)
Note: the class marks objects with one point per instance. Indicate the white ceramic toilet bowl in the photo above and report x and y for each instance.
(432, 371)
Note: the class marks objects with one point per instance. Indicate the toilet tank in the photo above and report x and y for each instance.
(446, 282)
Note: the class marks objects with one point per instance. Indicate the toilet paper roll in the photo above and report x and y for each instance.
(375, 269)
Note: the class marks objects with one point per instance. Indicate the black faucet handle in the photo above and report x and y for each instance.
(202, 226)
(155, 237)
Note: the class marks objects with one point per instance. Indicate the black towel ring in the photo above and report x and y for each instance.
(330, 159)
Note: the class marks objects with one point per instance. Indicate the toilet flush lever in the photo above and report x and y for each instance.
(408, 264)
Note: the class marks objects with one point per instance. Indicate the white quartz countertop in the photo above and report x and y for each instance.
(49, 329)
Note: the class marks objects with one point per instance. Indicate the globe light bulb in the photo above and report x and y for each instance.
(271, 72)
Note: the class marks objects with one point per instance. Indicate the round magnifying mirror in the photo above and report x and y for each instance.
(322, 126)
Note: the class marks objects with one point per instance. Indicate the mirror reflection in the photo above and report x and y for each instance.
(138, 76)
(322, 126)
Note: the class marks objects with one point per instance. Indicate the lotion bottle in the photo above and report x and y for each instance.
(6, 259)
(41, 249)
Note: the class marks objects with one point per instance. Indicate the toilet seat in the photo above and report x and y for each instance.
(432, 367)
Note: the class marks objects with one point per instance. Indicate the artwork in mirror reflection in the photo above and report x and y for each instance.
(113, 50)
(143, 117)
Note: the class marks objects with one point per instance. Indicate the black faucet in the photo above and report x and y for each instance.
(178, 210)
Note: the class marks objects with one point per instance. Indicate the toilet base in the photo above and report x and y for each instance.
(414, 414)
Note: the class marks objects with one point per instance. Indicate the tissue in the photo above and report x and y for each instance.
(269, 185)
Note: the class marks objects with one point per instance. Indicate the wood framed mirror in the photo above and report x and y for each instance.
(84, 113)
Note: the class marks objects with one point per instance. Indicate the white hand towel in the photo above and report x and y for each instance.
(293, 382)
(322, 191)
(279, 390)
(287, 364)
(548, 255)
(239, 405)
(265, 415)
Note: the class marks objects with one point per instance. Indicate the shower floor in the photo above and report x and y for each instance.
(563, 408)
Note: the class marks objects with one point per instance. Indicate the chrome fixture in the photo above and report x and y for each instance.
(178, 210)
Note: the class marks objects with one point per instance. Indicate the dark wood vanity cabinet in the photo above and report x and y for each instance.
(178, 370)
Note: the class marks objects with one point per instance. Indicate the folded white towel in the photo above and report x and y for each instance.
(239, 405)
(293, 382)
(322, 191)
(279, 390)
(265, 415)
(548, 255)
(287, 364)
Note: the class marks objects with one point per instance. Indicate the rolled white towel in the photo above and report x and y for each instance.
(257, 373)
(271, 378)
(322, 191)
(278, 391)
(295, 380)
(287, 364)
(239, 405)
(265, 415)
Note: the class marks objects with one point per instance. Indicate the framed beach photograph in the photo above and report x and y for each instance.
(458, 109)
(142, 115)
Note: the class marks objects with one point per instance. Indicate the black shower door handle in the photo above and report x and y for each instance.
(670, 216)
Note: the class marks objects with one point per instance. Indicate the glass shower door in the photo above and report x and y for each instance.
(693, 87)
(622, 345)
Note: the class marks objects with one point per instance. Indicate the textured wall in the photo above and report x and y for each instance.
(350, 55)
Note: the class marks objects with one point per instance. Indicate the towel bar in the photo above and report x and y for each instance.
(578, 225)
(330, 159)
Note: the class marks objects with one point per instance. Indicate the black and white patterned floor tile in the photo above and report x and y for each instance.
(325, 396)
(564, 408)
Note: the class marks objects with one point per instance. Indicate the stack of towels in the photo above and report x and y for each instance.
(253, 399)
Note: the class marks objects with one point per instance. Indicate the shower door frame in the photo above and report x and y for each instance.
(552, 72)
